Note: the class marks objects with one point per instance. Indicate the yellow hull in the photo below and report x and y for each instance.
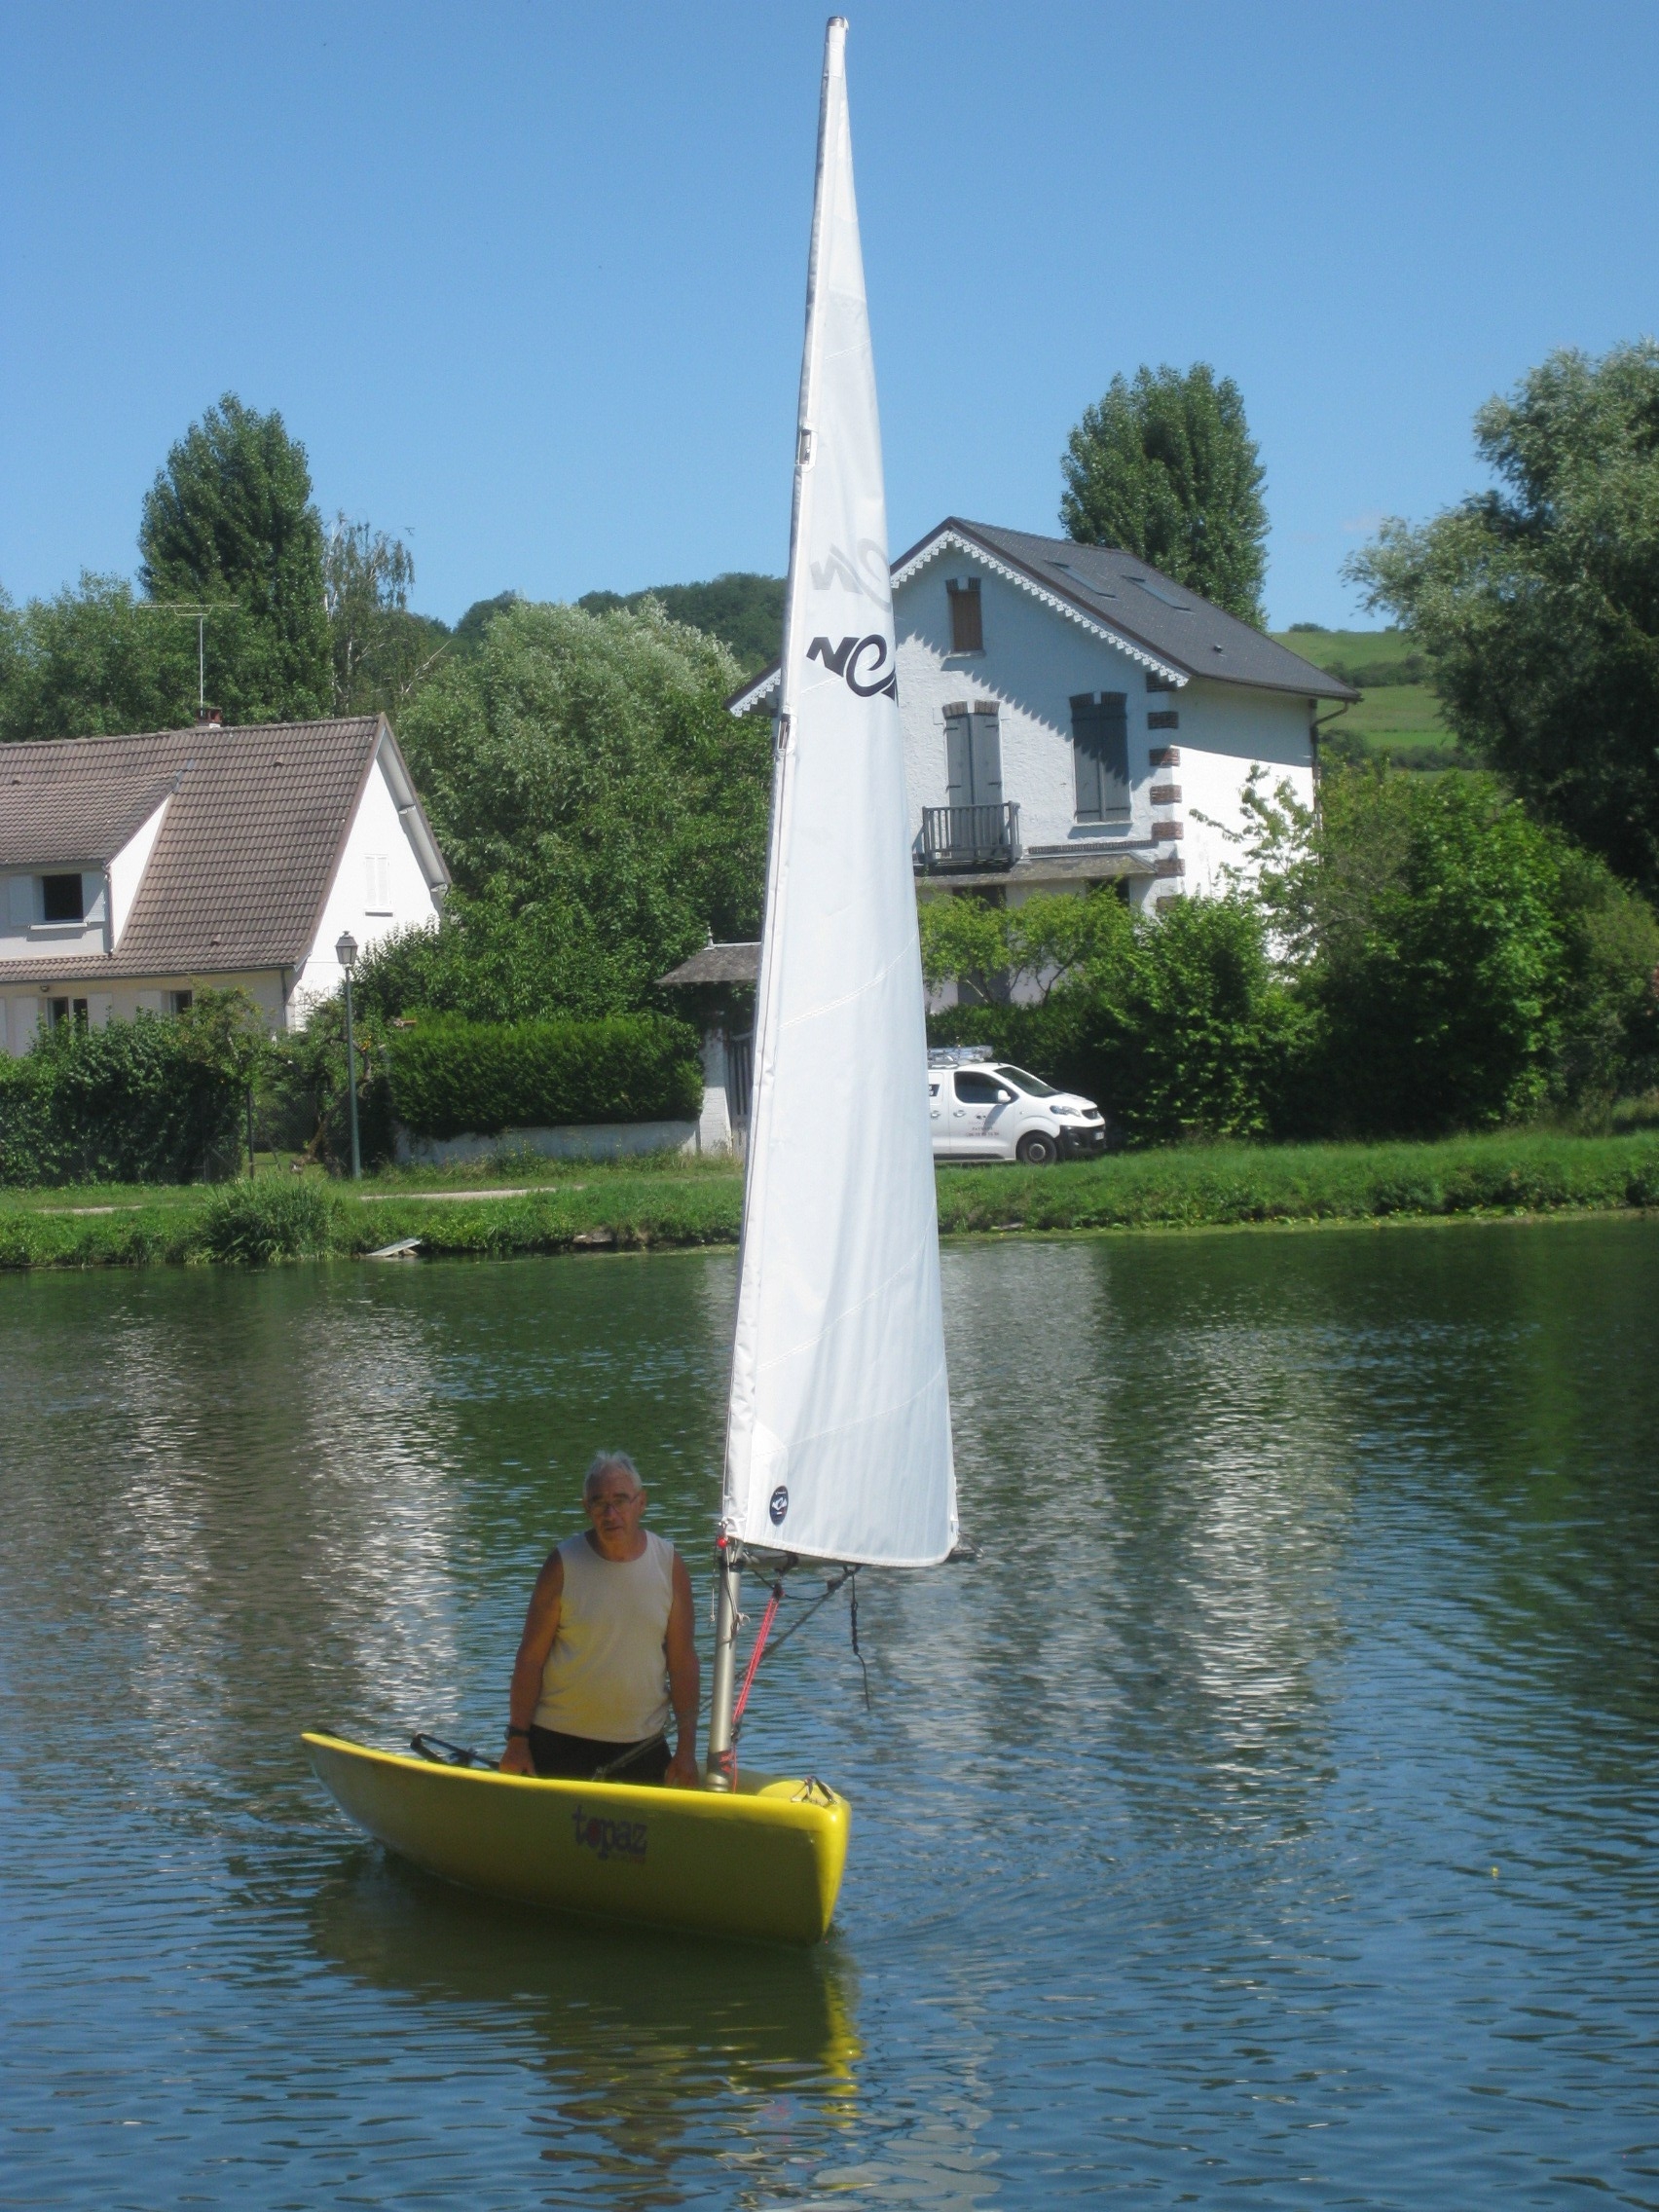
(764, 1861)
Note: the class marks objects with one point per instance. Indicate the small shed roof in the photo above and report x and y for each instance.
(717, 964)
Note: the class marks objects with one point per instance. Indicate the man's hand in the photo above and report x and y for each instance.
(516, 1759)
(681, 1773)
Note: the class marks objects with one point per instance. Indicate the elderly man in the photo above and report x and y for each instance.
(609, 1647)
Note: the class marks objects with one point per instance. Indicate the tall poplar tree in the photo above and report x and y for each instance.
(229, 521)
(1166, 467)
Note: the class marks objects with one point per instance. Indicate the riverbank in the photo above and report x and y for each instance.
(672, 1204)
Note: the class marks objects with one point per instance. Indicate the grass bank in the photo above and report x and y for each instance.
(666, 1205)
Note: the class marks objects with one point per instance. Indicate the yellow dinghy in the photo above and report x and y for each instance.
(763, 1860)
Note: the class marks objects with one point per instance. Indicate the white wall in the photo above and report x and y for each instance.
(109, 999)
(371, 904)
(127, 871)
(1226, 729)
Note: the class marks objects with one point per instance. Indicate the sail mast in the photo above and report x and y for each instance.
(838, 1428)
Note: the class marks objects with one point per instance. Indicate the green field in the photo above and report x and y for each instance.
(1397, 715)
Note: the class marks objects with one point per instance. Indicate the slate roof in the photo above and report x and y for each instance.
(717, 964)
(1185, 634)
(249, 846)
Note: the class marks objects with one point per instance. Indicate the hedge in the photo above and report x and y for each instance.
(135, 1102)
(454, 1078)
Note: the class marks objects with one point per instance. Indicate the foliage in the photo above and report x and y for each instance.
(600, 809)
(1166, 468)
(304, 1104)
(452, 1078)
(1049, 941)
(156, 1099)
(230, 518)
(1462, 964)
(271, 1217)
(1538, 600)
(1178, 1026)
(381, 651)
(744, 610)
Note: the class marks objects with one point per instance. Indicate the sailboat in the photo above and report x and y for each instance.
(837, 1443)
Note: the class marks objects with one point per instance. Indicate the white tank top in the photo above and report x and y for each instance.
(606, 1674)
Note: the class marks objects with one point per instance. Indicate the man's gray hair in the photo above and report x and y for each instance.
(602, 1463)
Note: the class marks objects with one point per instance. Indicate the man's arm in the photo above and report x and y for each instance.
(540, 1627)
(680, 1645)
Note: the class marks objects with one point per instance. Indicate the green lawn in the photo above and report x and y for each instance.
(1398, 715)
(664, 1205)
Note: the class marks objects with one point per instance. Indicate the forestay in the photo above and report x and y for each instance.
(838, 1436)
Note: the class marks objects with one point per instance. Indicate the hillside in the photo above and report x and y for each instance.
(744, 610)
(1399, 716)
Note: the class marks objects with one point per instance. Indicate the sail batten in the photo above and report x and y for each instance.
(838, 1431)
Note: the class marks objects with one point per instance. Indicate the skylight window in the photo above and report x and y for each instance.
(1098, 590)
(1157, 591)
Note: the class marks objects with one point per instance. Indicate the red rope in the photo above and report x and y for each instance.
(760, 1636)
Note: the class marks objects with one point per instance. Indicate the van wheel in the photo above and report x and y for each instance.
(1037, 1149)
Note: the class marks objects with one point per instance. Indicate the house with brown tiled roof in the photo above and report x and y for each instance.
(135, 871)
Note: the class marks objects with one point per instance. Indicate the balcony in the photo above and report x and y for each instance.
(969, 836)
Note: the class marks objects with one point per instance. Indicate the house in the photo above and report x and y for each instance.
(1071, 716)
(135, 871)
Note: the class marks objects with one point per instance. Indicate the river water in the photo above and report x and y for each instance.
(1265, 1817)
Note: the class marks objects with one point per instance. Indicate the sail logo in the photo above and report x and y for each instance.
(778, 1505)
(608, 1840)
(866, 577)
(867, 679)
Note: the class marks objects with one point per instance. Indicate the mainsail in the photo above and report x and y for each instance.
(838, 1434)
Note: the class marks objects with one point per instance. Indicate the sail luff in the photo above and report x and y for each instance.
(838, 1437)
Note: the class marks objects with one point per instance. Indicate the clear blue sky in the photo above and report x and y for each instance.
(526, 280)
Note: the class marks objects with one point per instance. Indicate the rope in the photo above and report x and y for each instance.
(760, 1636)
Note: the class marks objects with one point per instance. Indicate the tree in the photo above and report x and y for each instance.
(230, 519)
(380, 651)
(1539, 599)
(1166, 467)
(91, 663)
(599, 808)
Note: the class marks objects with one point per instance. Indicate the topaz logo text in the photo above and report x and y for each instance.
(865, 577)
(608, 1840)
(778, 1505)
(852, 660)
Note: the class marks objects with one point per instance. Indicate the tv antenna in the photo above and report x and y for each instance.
(186, 606)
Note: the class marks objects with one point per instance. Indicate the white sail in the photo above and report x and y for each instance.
(839, 1435)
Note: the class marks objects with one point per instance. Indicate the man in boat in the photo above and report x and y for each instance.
(608, 1650)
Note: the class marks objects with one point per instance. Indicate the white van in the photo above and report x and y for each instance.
(985, 1109)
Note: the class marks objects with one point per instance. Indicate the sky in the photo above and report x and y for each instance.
(527, 279)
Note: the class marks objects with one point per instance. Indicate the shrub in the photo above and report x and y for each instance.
(452, 1078)
(272, 1216)
(153, 1101)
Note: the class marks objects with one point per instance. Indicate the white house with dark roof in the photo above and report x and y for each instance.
(135, 871)
(1073, 717)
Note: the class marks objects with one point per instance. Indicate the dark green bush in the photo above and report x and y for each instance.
(452, 1078)
(143, 1101)
(272, 1216)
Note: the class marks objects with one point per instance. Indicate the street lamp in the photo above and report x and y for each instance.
(346, 952)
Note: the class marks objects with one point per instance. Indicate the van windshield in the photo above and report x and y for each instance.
(1032, 1084)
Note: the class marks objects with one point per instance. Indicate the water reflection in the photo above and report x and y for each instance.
(1316, 1581)
(653, 2054)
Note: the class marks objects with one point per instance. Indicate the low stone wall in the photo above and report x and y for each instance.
(599, 1140)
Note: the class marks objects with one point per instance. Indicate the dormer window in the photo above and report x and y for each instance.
(967, 626)
(63, 898)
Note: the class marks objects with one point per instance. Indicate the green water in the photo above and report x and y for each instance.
(1265, 1816)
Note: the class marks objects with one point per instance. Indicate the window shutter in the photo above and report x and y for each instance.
(958, 759)
(1100, 750)
(987, 757)
(19, 902)
(967, 623)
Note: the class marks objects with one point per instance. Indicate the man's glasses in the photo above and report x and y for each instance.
(610, 1504)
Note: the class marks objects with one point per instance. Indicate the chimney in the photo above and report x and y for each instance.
(209, 717)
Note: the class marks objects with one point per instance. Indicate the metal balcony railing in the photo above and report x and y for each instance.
(969, 836)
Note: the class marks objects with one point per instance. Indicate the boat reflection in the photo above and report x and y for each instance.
(658, 2055)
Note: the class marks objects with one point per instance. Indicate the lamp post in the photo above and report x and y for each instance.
(346, 952)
